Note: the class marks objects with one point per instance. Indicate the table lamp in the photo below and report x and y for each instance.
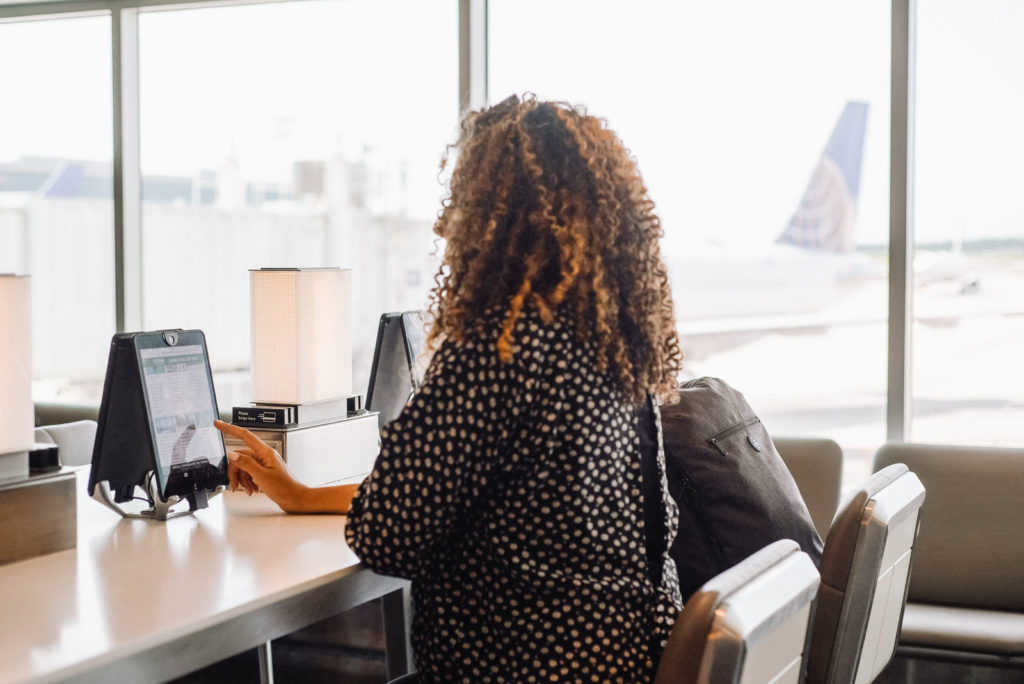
(302, 375)
(301, 335)
(37, 511)
(17, 422)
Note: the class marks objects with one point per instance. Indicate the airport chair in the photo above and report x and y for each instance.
(52, 413)
(748, 624)
(965, 606)
(74, 440)
(865, 572)
(817, 466)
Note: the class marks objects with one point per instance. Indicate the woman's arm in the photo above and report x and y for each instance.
(259, 464)
(334, 499)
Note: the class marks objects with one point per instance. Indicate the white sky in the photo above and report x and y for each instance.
(726, 105)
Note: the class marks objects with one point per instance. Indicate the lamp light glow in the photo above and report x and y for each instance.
(301, 334)
(17, 418)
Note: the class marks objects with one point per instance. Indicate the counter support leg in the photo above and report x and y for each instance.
(266, 663)
(396, 608)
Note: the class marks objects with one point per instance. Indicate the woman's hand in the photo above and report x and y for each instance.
(259, 467)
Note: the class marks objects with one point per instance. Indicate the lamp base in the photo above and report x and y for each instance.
(325, 453)
(37, 515)
(13, 466)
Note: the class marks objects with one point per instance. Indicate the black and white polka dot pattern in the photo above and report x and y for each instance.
(510, 495)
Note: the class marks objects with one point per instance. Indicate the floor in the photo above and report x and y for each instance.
(914, 671)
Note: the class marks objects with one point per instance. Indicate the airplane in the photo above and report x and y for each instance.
(950, 269)
(731, 294)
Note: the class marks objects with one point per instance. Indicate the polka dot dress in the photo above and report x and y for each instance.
(510, 495)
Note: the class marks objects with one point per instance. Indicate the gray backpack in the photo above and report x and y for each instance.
(734, 492)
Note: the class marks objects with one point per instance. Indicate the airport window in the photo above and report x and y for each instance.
(259, 147)
(323, 147)
(312, 147)
(56, 207)
(767, 154)
(967, 377)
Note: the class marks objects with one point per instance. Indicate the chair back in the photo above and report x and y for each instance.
(74, 440)
(971, 548)
(747, 624)
(865, 572)
(816, 464)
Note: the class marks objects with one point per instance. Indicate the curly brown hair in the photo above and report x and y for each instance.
(546, 208)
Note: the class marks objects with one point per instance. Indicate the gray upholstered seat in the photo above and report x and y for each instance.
(52, 413)
(865, 570)
(74, 440)
(748, 624)
(965, 630)
(966, 598)
(817, 466)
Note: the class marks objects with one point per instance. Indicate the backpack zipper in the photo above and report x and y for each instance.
(729, 432)
(698, 510)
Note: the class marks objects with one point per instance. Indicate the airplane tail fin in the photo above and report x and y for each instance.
(824, 218)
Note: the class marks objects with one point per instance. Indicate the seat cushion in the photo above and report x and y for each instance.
(963, 629)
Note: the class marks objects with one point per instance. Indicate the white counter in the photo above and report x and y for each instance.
(147, 601)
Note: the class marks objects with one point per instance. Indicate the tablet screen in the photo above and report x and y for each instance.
(179, 393)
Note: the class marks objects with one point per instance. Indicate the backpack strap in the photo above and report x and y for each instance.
(655, 518)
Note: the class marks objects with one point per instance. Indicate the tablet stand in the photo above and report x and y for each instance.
(161, 508)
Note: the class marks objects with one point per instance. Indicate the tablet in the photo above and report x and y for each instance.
(396, 370)
(156, 416)
(181, 407)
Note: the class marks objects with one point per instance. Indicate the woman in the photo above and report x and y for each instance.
(509, 489)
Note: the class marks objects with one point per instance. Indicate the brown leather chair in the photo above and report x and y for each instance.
(747, 624)
(865, 571)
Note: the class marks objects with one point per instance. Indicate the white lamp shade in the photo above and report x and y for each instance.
(301, 334)
(17, 419)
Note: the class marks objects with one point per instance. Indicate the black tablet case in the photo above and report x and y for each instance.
(124, 449)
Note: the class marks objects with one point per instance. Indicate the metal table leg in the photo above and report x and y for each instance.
(266, 663)
(396, 609)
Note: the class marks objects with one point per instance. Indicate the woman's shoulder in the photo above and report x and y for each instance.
(536, 334)
(537, 340)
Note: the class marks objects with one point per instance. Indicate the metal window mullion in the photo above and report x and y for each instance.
(472, 55)
(127, 172)
(901, 224)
